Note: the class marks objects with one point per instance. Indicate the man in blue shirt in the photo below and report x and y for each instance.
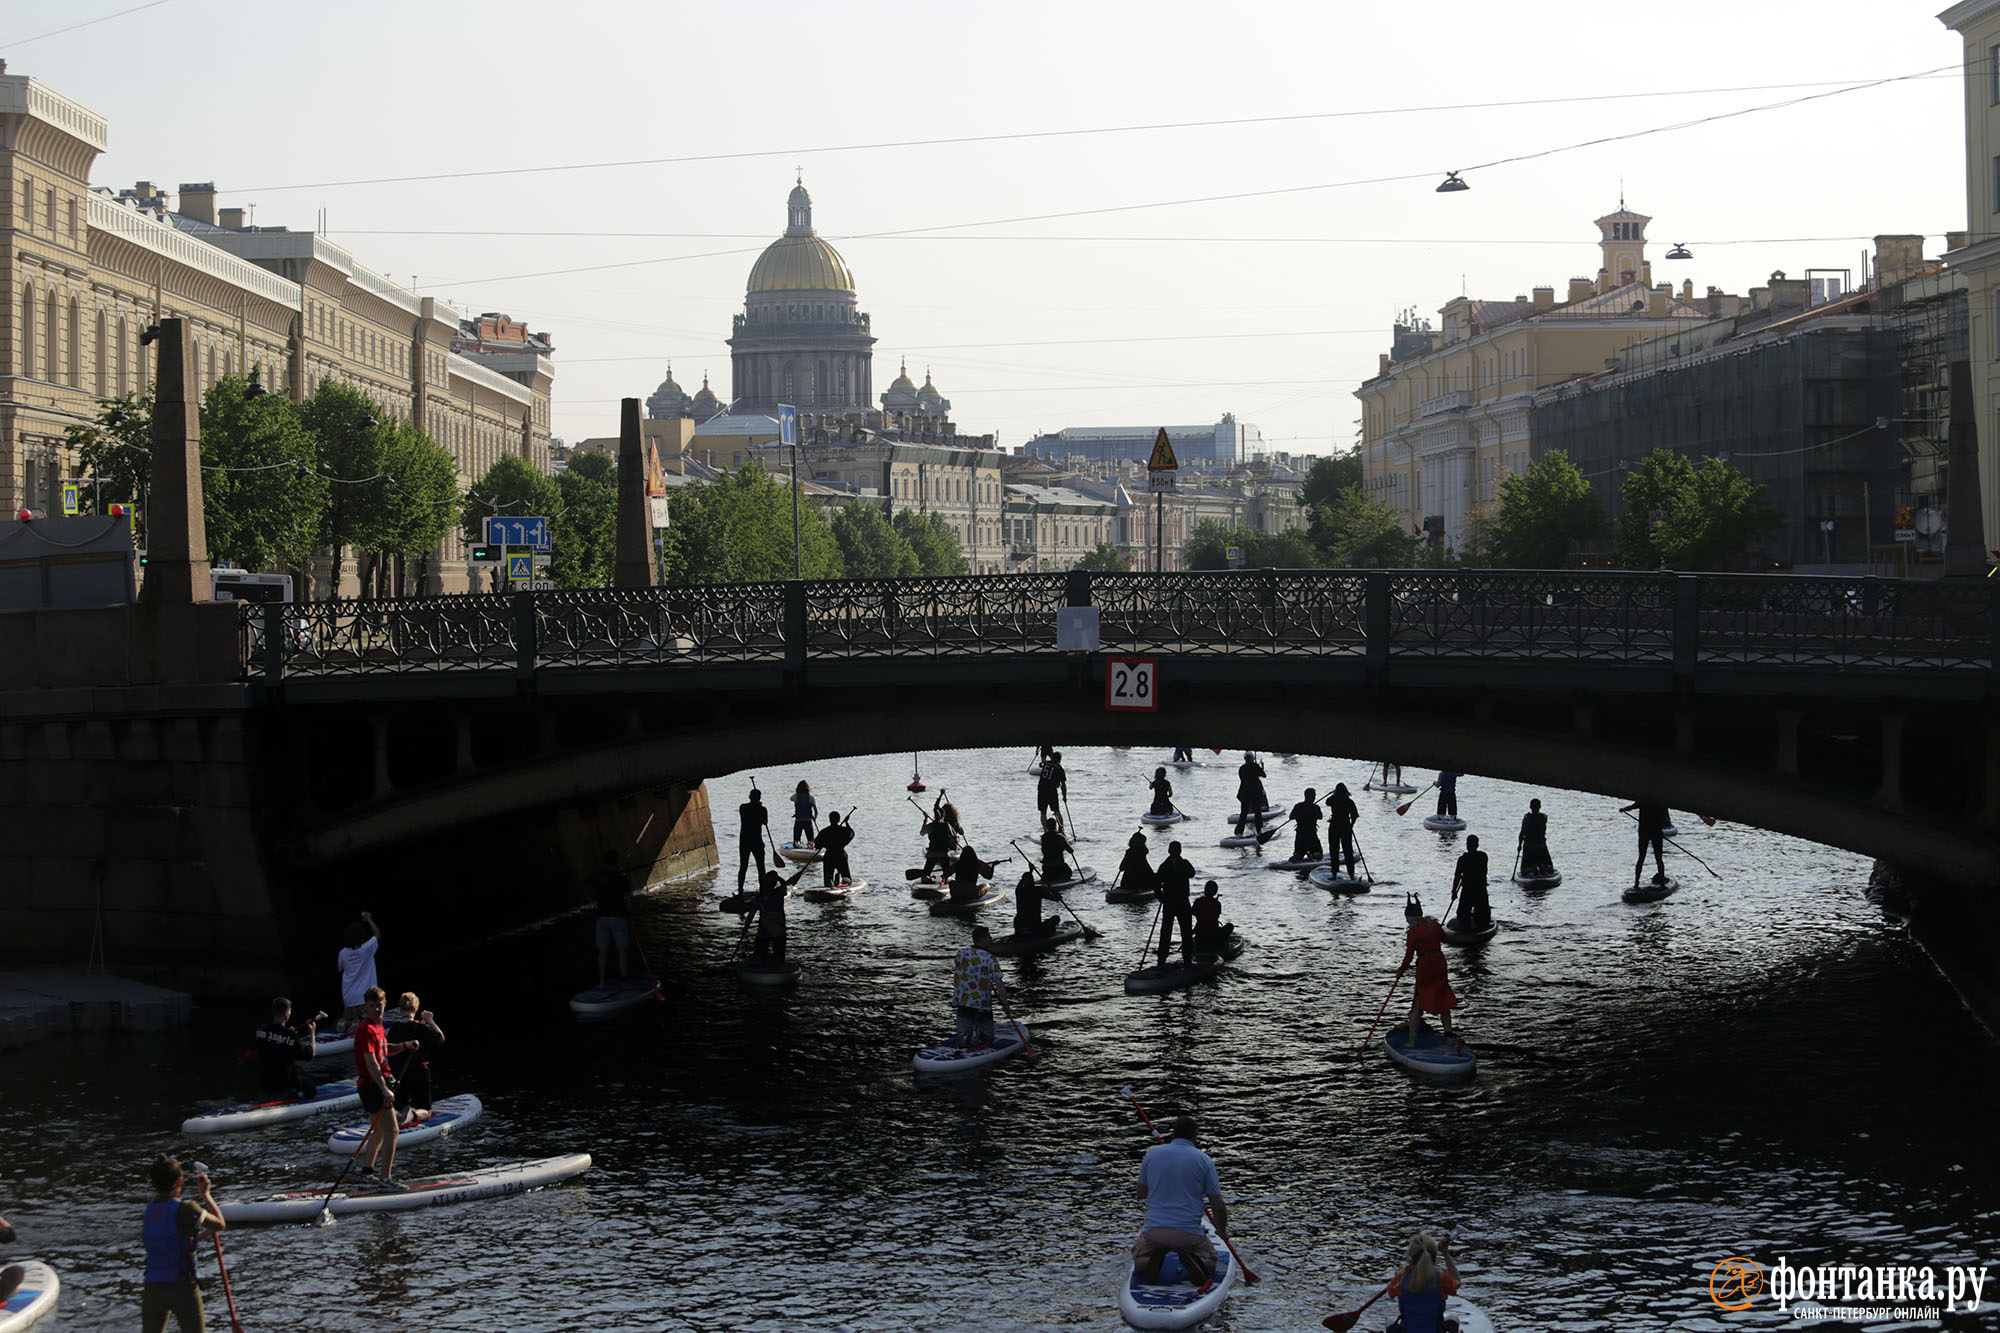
(1175, 1180)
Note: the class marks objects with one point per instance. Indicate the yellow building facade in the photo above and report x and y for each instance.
(1978, 260)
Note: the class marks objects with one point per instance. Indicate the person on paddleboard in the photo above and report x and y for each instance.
(967, 872)
(614, 918)
(1183, 754)
(1447, 785)
(1421, 1286)
(1211, 932)
(357, 967)
(1163, 793)
(769, 909)
(1534, 841)
(1135, 872)
(752, 821)
(377, 1087)
(170, 1228)
(1653, 821)
(1424, 942)
(1250, 794)
(1468, 885)
(1050, 788)
(1305, 828)
(1176, 878)
(1341, 813)
(940, 840)
(976, 986)
(13, 1275)
(834, 840)
(1056, 852)
(280, 1048)
(1176, 1179)
(805, 817)
(416, 1030)
(1028, 919)
(1392, 773)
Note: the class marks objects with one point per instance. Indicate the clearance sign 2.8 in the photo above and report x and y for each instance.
(1132, 684)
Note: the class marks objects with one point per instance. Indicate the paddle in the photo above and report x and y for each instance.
(1089, 932)
(1008, 1010)
(641, 950)
(1404, 808)
(1147, 947)
(222, 1266)
(325, 1208)
(1362, 1049)
(1677, 847)
(1242, 1267)
(1069, 818)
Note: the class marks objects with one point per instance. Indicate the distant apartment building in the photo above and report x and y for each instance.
(1225, 444)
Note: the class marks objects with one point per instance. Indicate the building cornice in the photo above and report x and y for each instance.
(464, 368)
(1967, 12)
(169, 242)
(23, 96)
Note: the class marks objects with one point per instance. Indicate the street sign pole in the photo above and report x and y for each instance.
(788, 433)
(1159, 530)
(1160, 470)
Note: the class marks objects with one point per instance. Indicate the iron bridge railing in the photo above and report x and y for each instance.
(1682, 621)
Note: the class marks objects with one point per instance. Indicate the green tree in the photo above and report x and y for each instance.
(586, 523)
(423, 499)
(1106, 559)
(1545, 513)
(512, 487)
(117, 450)
(344, 423)
(870, 546)
(1328, 477)
(1708, 513)
(1208, 548)
(936, 545)
(1354, 532)
(738, 528)
(261, 492)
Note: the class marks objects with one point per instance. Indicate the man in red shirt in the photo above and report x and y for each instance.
(378, 1091)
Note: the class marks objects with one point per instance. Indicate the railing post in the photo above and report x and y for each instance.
(1375, 618)
(1076, 588)
(274, 643)
(1687, 623)
(525, 643)
(795, 625)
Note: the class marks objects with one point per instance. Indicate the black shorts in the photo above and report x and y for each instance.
(371, 1096)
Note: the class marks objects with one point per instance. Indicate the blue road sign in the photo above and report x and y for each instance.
(504, 530)
(520, 568)
(788, 424)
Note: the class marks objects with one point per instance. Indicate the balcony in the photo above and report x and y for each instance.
(1445, 402)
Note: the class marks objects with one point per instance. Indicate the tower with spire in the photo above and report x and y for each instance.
(1622, 238)
(801, 338)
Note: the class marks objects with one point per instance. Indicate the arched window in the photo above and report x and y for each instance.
(124, 357)
(28, 331)
(98, 377)
(75, 376)
(52, 340)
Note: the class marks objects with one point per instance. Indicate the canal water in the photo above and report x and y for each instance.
(1764, 1065)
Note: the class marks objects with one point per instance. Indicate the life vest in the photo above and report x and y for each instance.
(169, 1254)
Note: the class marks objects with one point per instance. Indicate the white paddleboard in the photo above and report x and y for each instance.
(1326, 878)
(1271, 816)
(1548, 881)
(447, 1116)
(1295, 865)
(1247, 839)
(803, 853)
(1013, 946)
(250, 1115)
(1160, 821)
(1395, 788)
(609, 999)
(945, 1058)
(1434, 1056)
(1444, 823)
(839, 893)
(1082, 875)
(988, 895)
(34, 1300)
(1173, 1301)
(483, 1183)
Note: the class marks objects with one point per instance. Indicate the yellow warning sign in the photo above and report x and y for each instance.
(1163, 459)
(1903, 519)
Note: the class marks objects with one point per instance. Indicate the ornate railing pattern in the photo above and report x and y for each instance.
(1686, 621)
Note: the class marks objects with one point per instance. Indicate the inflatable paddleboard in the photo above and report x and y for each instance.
(1547, 881)
(765, 972)
(1444, 823)
(609, 999)
(929, 889)
(1248, 839)
(1271, 816)
(946, 1058)
(803, 853)
(1174, 1301)
(250, 1115)
(1159, 821)
(1123, 895)
(839, 893)
(1670, 832)
(1471, 1319)
(35, 1299)
(1454, 935)
(1012, 946)
(1185, 764)
(1396, 788)
(447, 1116)
(1153, 980)
(1080, 875)
(328, 1045)
(1328, 878)
(988, 895)
(1432, 1056)
(484, 1183)
(1651, 892)
(1295, 865)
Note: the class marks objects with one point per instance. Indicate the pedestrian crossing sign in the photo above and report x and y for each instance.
(1163, 459)
(521, 568)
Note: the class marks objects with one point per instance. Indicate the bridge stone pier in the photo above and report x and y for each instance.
(462, 760)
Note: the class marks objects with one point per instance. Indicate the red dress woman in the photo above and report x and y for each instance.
(1424, 941)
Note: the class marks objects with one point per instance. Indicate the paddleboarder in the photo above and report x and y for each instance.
(1135, 872)
(357, 967)
(13, 1275)
(1424, 942)
(1468, 884)
(614, 918)
(1028, 919)
(170, 1228)
(416, 1030)
(1427, 1278)
(940, 839)
(1305, 823)
(1341, 813)
(1050, 788)
(280, 1048)
(1534, 841)
(769, 909)
(1183, 754)
(1653, 821)
(1055, 850)
(1392, 773)
(805, 817)
(1250, 799)
(1447, 785)
(967, 872)
(1176, 878)
(1176, 1178)
(976, 985)
(833, 841)
(752, 821)
(1211, 932)
(1163, 793)
(377, 1087)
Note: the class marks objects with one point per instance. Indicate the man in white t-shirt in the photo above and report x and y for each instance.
(1175, 1180)
(357, 968)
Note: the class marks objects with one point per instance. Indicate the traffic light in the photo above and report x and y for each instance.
(483, 554)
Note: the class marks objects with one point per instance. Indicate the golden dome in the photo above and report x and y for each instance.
(902, 380)
(799, 261)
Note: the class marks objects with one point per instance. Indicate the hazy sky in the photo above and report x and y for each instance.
(1272, 307)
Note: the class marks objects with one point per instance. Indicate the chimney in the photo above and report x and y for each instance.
(1581, 289)
(198, 201)
(232, 218)
(1545, 297)
(1656, 303)
(1790, 293)
(1760, 298)
(1955, 240)
(1603, 283)
(1897, 257)
(1687, 292)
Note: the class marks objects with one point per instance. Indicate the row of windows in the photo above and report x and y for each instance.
(118, 362)
(48, 211)
(942, 488)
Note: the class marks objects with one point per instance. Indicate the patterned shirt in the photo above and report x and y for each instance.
(973, 972)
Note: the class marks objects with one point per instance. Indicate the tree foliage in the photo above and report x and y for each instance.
(261, 493)
(117, 450)
(936, 545)
(1354, 532)
(738, 528)
(1545, 513)
(870, 546)
(1106, 559)
(585, 523)
(1328, 477)
(1708, 513)
(1208, 548)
